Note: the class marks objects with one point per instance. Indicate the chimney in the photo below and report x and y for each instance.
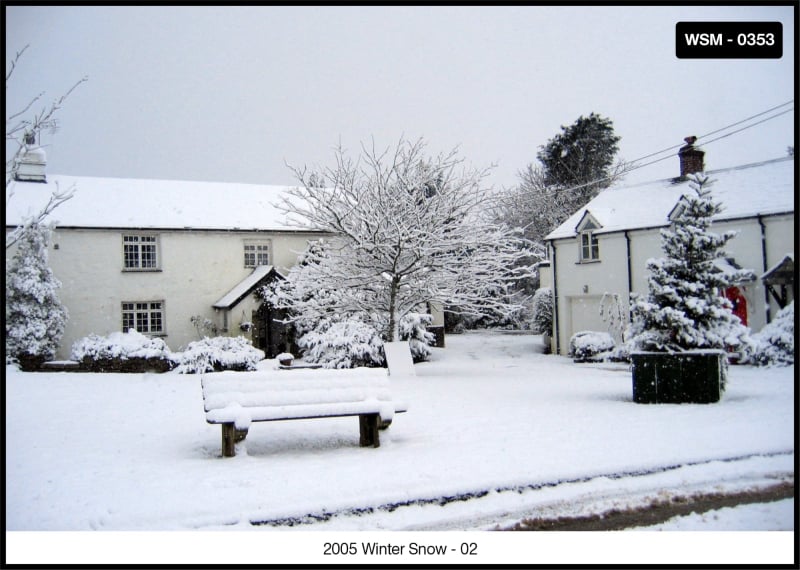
(691, 158)
(31, 164)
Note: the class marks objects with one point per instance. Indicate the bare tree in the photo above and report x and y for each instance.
(409, 230)
(538, 208)
(23, 128)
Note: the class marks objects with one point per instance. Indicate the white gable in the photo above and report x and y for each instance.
(588, 222)
(745, 191)
(163, 204)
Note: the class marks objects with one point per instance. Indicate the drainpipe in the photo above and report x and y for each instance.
(630, 275)
(630, 278)
(556, 334)
(764, 265)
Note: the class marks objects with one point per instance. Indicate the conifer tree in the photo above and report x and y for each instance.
(35, 317)
(685, 309)
(573, 167)
(582, 153)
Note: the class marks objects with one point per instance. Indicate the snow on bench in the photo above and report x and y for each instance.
(235, 399)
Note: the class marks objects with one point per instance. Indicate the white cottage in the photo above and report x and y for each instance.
(154, 254)
(603, 248)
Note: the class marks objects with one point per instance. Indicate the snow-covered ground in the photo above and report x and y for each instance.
(496, 431)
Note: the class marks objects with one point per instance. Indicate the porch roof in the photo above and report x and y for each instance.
(245, 287)
(780, 273)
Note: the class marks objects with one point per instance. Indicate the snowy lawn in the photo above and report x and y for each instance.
(490, 417)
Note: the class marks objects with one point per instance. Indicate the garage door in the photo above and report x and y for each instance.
(585, 315)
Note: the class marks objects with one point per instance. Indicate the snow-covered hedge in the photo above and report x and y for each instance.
(131, 344)
(542, 322)
(590, 345)
(218, 353)
(774, 344)
(116, 351)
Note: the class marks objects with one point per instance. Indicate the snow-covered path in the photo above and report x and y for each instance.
(490, 417)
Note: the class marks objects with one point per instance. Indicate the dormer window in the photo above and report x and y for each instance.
(588, 244)
(678, 210)
(590, 248)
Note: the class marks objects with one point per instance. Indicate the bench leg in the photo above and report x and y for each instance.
(368, 425)
(230, 437)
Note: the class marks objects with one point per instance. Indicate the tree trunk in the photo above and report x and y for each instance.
(394, 322)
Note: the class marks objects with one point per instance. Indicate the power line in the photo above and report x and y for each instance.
(716, 131)
(637, 167)
(790, 102)
(749, 126)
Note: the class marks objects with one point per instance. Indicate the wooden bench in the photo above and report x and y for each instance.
(235, 399)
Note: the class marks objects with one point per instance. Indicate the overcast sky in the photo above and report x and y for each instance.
(235, 93)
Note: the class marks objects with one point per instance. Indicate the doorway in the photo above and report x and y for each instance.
(269, 333)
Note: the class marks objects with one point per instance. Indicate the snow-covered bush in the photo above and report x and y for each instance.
(204, 326)
(613, 312)
(35, 317)
(219, 353)
(105, 353)
(131, 344)
(774, 344)
(414, 329)
(590, 345)
(353, 342)
(542, 311)
(345, 344)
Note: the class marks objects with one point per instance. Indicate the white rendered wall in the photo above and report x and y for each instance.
(196, 269)
(580, 285)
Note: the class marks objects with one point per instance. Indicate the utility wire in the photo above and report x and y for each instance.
(716, 131)
(748, 126)
(637, 167)
(790, 102)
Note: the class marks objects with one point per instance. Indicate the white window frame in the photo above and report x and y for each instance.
(150, 315)
(588, 243)
(256, 253)
(138, 248)
(589, 246)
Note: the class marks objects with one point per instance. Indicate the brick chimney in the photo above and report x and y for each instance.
(691, 158)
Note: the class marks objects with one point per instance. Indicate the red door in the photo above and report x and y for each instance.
(734, 295)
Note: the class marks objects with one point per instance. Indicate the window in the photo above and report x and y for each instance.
(590, 248)
(144, 317)
(256, 254)
(140, 252)
(588, 244)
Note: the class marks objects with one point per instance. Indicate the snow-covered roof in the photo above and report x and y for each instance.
(781, 272)
(244, 287)
(745, 191)
(142, 203)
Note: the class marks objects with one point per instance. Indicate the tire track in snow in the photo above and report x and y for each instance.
(326, 516)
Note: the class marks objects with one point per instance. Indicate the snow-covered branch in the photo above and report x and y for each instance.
(57, 198)
(23, 129)
(411, 230)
